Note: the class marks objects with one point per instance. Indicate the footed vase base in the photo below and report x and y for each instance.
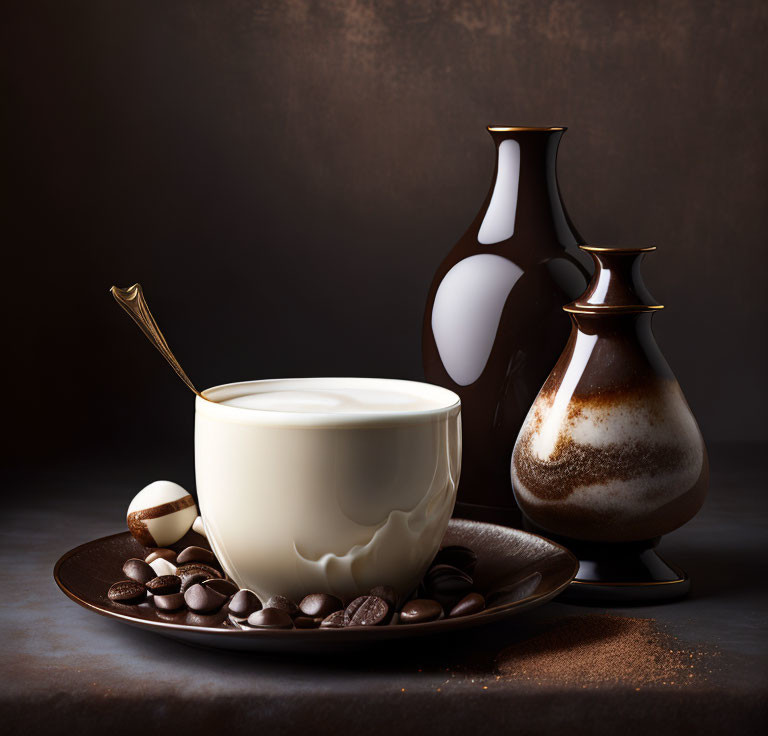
(644, 578)
(620, 573)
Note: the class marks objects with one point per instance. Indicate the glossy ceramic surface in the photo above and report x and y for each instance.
(516, 570)
(610, 453)
(494, 325)
(334, 485)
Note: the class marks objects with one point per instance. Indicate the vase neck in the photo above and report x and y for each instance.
(524, 201)
(617, 284)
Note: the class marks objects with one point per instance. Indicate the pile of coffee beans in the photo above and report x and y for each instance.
(193, 580)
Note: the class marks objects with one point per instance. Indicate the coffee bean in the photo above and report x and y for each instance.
(196, 568)
(127, 591)
(225, 587)
(196, 554)
(387, 592)
(244, 603)
(319, 605)
(307, 622)
(195, 573)
(161, 554)
(447, 585)
(283, 604)
(421, 610)
(138, 570)
(270, 618)
(367, 610)
(456, 556)
(334, 621)
(204, 600)
(171, 602)
(164, 585)
(469, 604)
(187, 581)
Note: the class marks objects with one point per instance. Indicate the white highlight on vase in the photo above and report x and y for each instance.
(553, 421)
(604, 278)
(467, 311)
(499, 221)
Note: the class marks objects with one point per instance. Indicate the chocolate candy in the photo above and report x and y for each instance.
(421, 610)
(307, 622)
(283, 604)
(164, 585)
(204, 619)
(187, 581)
(447, 585)
(457, 556)
(319, 605)
(334, 621)
(244, 603)
(161, 553)
(270, 618)
(204, 600)
(225, 587)
(469, 604)
(138, 570)
(387, 592)
(196, 554)
(367, 610)
(127, 591)
(171, 602)
(161, 514)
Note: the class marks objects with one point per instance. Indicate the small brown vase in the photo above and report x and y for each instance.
(493, 324)
(610, 456)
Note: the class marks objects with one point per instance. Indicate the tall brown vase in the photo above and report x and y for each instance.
(494, 324)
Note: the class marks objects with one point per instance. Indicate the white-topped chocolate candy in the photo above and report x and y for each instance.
(162, 566)
(161, 514)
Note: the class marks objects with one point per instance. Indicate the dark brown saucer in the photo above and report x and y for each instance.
(515, 571)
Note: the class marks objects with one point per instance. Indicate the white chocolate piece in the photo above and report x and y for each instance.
(163, 567)
(199, 527)
(161, 514)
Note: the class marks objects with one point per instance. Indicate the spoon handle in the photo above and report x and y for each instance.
(132, 301)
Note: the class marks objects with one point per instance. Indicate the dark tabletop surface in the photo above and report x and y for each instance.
(66, 670)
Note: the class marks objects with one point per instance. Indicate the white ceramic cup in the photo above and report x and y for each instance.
(297, 502)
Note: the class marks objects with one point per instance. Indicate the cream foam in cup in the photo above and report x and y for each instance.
(327, 484)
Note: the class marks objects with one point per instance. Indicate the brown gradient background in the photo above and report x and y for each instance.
(284, 178)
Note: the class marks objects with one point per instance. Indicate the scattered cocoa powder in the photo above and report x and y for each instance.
(593, 650)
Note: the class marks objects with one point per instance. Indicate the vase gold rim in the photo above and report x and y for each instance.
(615, 308)
(607, 249)
(519, 128)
